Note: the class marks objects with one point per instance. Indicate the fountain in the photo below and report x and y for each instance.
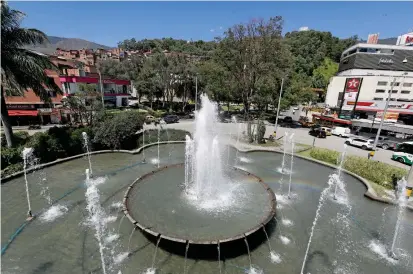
(321, 202)
(340, 167)
(86, 145)
(291, 165)
(401, 204)
(96, 215)
(202, 195)
(27, 155)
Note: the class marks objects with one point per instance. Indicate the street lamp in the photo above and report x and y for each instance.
(101, 89)
(278, 108)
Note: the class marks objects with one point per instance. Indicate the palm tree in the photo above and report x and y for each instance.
(21, 69)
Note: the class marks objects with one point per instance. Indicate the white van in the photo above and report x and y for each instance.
(341, 131)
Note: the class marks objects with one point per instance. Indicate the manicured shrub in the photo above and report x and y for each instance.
(325, 155)
(10, 156)
(260, 132)
(374, 171)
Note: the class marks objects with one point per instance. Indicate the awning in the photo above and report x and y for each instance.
(22, 112)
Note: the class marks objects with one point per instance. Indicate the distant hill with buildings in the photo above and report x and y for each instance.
(66, 43)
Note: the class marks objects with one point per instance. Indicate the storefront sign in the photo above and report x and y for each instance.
(390, 116)
(386, 61)
(44, 110)
(20, 106)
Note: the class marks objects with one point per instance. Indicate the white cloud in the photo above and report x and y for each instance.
(211, 30)
(303, 28)
(220, 27)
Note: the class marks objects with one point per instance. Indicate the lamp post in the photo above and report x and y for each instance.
(409, 186)
(385, 109)
(278, 108)
(101, 89)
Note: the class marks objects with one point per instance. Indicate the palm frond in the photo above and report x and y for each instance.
(19, 37)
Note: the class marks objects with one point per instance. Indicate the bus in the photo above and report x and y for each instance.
(404, 153)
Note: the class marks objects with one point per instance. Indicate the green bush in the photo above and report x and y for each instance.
(11, 169)
(260, 132)
(119, 131)
(20, 138)
(11, 156)
(151, 136)
(325, 155)
(374, 171)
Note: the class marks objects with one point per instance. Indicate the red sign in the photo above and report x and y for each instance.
(353, 84)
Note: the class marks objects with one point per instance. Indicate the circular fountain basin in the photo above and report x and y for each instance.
(157, 204)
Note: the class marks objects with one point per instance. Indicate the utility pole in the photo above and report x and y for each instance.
(278, 108)
(101, 89)
(384, 115)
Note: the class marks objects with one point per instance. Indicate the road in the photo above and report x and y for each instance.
(301, 136)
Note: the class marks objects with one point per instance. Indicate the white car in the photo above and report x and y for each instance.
(360, 142)
(341, 131)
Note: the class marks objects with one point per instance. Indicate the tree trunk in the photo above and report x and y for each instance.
(8, 130)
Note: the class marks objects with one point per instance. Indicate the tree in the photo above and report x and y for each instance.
(119, 131)
(21, 69)
(85, 104)
(323, 73)
(252, 52)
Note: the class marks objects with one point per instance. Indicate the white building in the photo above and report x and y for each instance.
(365, 77)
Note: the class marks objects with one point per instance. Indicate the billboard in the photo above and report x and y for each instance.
(389, 116)
(351, 91)
(373, 38)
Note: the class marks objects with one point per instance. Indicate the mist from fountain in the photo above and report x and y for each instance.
(205, 182)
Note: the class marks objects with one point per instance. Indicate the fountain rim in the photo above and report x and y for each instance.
(151, 231)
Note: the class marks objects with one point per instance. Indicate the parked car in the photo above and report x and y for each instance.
(34, 127)
(385, 143)
(327, 130)
(288, 121)
(317, 132)
(149, 119)
(365, 144)
(404, 153)
(169, 119)
(341, 131)
(305, 122)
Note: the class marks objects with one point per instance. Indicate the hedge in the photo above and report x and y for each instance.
(374, 171)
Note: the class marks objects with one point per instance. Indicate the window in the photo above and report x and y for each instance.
(352, 51)
(396, 84)
(394, 91)
(403, 100)
(387, 51)
(52, 94)
(380, 90)
(382, 83)
(377, 99)
(362, 49)
(405, 92)
(392, 99)
(407, 85)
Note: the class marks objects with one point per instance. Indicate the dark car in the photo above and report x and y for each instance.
(317, 132)
(170, 119)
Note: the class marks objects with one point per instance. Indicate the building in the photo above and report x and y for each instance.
(70, 78)
(116, 91)
(365, 77)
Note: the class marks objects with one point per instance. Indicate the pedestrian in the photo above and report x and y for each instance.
(394, 181)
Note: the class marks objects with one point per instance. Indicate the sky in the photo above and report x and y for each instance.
(108, 23)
